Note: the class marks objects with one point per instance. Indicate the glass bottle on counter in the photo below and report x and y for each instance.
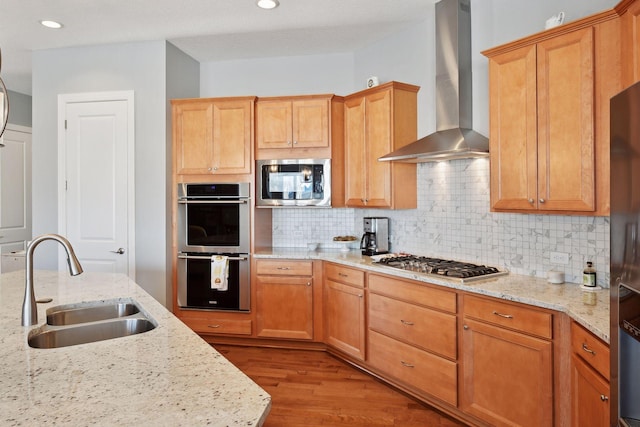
(589, 276)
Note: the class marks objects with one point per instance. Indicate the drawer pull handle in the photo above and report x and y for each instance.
(407, 365)
(405, 322)
(213, 326)
(284, 268)
(506, 316)
(588, 350)
(604, 398)
(343, 275)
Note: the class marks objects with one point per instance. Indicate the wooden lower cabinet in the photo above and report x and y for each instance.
(211, 323)
(411, 343)
(284, 291)
(590, 389)
(344, 310)
(507, 376)
(414, 367)
(589, 396)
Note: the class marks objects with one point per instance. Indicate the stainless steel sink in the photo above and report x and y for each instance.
(53, 337)
(88, 322)
(72, 314)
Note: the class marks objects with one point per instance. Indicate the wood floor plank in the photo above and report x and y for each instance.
(313, 388)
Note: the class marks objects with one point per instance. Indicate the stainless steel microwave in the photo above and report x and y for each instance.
(294, 182)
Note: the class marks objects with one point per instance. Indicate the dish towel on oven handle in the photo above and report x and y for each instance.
(219, 272)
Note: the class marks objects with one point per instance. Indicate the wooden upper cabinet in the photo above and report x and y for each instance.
(542, 125)
(377, 121)
(549, 117)
(193, 137)
(213, 135)
(630, 44)
(566, 163)
(354, 123)
(513, 129)
(292, 125)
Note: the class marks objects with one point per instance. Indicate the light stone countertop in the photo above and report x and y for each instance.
(589, 308)
(168, 376)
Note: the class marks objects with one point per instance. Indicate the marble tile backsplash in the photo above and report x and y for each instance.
(453, 221)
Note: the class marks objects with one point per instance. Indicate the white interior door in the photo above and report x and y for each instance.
(98, 181)
(15, 190)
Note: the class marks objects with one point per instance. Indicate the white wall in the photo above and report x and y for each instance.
(297, 75)
(134, 66)
(19, 108)
(183, 81)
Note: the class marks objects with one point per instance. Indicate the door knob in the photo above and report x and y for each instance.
(120, 251)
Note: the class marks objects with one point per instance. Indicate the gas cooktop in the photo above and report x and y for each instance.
(460, 271)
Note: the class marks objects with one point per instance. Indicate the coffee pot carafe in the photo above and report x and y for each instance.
(375, 239)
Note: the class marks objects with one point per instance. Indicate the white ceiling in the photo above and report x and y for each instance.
(205, 29)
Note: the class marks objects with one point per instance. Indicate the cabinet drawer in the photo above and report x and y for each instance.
(593, 350)
(413, 292)
(349, 276)
(419, 326)
(429, 373)
(516, 317)
(270, 267)
(219, 326)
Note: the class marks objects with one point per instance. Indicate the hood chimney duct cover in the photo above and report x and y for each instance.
(454, 137)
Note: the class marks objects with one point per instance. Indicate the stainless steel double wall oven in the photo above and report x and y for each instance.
(213, 219)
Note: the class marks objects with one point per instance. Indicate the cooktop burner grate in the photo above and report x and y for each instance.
(462, 271)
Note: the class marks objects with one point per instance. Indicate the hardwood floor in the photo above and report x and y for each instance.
(312, 388)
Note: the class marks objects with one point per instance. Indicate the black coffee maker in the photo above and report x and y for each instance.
(375, 239)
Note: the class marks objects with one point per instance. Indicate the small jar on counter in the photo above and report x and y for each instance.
(589, 276)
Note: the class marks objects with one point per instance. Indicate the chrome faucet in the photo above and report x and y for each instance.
(29, 310)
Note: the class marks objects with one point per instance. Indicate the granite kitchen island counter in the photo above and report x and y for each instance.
(168, 376)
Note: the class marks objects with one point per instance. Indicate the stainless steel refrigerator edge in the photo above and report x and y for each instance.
(625, 264)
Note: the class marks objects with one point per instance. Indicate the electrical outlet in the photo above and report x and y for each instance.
(559, 258)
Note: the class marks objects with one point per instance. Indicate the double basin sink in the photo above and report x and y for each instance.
(87, 322)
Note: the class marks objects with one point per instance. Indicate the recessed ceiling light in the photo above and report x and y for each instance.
(267, 4)
(51, 24)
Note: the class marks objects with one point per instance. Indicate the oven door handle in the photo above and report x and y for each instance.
(212, 202)
(240, 258)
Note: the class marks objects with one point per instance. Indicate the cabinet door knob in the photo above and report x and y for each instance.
(465, 327)
(215, 168)
(308, 283)
(604, 398)
(531, 201)
(295, 142)
(541, 200)
(288, 142)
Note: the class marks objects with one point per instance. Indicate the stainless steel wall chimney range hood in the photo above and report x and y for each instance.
(454, 137)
